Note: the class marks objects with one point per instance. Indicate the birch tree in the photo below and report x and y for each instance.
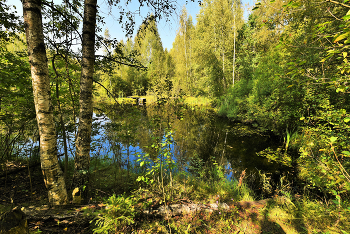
(53, 176)
(41, 86)
(217, 24)
(82, 154)
(182, 53)
(152, 55)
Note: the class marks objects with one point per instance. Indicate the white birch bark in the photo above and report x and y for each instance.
(52, 172)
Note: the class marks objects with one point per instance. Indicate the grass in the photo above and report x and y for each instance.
(197, 101)
(151, 99)
(282, 214)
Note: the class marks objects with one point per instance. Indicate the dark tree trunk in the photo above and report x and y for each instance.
(82, 157)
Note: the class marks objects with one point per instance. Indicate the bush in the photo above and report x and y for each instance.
(118, 214)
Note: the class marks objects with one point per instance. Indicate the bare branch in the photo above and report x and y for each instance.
(339, 3)
(110, 58)
(106, 90)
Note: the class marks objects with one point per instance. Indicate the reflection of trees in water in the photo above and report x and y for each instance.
(199, 136)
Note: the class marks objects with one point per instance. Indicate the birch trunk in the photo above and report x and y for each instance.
(52, 172)
(234, 45)
(82, 156)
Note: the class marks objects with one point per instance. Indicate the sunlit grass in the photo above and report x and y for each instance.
(197, 101)
(282, 214)
(151, 99)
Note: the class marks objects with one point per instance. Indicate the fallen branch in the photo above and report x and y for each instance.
(163, 211)
(168, 211)
(19, 169)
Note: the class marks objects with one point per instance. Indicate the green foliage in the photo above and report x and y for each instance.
(15, 84)
(157, 171)
(17, 111)
(184, 80)
(298, 84)
(65, 74)
(119, 213)
(324, 132)
(324, 160)
(278, 155)
(267, 97)
(9, 21)
(145, 67)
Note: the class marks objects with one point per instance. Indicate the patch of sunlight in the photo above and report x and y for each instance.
(197, 101)
(150, 99)
(126, 101)
(282, 218)
(247, 226)
(247, 197)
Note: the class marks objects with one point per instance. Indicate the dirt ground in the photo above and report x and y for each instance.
(18, 189)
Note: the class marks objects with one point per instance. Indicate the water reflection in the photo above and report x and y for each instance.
(199, 138)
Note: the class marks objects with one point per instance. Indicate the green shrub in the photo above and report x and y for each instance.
(118, 214)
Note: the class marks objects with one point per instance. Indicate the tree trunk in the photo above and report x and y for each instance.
(234, 45)
(82, 155)
(52, 172)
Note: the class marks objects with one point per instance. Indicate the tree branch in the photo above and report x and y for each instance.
(110, 58)
(339, 3)
(106, 90)
(59, 12)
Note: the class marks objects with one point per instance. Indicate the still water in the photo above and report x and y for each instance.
(198, 137)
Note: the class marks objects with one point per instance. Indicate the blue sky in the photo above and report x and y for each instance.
(167, 29)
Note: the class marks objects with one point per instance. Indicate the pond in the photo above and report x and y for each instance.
(197, 137)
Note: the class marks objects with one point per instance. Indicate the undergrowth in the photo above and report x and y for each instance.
(157, 181)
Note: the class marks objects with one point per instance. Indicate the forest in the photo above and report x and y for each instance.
(241, 127)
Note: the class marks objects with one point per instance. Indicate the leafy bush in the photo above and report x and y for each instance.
(118, 214)
(324, 152)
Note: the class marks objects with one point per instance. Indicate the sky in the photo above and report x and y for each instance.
(167, 28)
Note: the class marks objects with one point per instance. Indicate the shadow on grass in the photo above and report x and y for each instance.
(283, 222)
(270, 227)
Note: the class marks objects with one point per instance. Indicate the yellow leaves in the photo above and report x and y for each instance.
(76, 190)
(76, 198)
(257, 5)
(341, 37)
(339, 181)
(347, 16)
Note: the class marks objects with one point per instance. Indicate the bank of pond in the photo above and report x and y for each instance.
(154, 155)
